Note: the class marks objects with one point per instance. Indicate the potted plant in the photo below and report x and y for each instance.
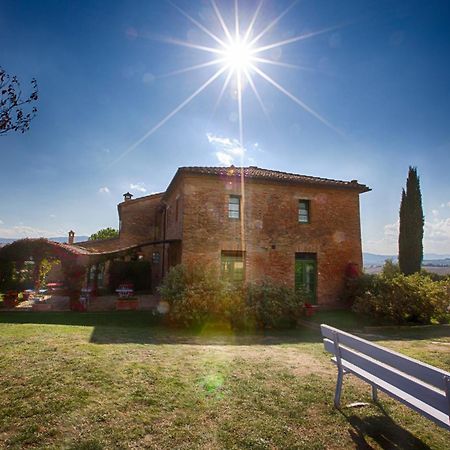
(126, 300)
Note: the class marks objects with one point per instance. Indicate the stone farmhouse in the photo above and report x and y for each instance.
(249, 223)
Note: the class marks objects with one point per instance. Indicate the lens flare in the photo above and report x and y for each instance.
(238, 55)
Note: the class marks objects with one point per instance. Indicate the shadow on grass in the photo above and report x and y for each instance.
(409, 332)
(168, 336)
(143, 327)
(384, 431)
(89, 319)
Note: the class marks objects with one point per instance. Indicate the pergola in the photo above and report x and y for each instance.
(76, 261)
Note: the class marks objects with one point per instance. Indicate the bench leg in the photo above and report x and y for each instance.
(337, 394)
(374, 393)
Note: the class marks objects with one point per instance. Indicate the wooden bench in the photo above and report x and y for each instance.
(422, 387)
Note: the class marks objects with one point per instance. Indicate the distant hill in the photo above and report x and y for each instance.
(372, 259)
(56, 239)
(429, 259)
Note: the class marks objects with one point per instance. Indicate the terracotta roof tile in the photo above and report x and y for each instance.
(257, 173)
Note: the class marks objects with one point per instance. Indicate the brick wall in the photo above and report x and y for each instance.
(141, 219)
(272, 234)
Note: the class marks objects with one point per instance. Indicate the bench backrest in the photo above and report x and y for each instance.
(420, 380)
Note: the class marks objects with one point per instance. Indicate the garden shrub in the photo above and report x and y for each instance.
(390, 269)
(194, 295)
(198, 296)
(356, 287)
(14, 276)
(274, 305)
(404, 299)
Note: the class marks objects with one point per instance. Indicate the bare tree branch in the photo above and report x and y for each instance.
(12, 115)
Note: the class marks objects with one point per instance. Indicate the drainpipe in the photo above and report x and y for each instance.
(164, 242)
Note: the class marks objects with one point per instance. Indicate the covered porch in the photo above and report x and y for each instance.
(86, 278)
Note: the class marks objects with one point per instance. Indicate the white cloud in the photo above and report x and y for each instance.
(227, 149)
(139, 187)
(391, 229)
(387, 244)
(1, 222)
(224, 158)
(438, 232)
(52, 216)
(104, 190)
(23, 231)
(436, 237)
(435, 212)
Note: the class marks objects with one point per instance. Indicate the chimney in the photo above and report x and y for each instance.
(127, 196)
(71, 237)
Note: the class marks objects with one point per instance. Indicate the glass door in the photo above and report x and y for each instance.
(306, 275)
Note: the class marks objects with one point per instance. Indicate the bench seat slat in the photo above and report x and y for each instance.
(409, 400)
(423, 392)
(417, 369)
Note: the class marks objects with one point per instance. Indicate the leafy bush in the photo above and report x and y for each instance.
(401, 299)
(104, 233)
(197, 296)
(14, 276)
(274, 305)
(435, 276)
(390, 269)
(356, 287)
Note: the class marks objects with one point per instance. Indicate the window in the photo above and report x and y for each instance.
(234, 207)
(303, 211)
(155, 257)
(232, 265)
(177, 206)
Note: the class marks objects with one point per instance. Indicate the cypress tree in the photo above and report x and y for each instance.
(410, 247)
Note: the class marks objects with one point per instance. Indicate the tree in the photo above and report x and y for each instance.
(105, 233)
(410, 246)
(13, 114)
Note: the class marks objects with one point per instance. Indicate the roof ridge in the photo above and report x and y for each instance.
(156, 194)
(284, 176)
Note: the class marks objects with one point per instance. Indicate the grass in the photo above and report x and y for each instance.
(117, 380)
(340, 318)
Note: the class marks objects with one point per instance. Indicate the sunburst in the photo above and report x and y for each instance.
(239, 55)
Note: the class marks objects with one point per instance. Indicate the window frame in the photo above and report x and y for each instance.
(230, 210)
(156, 257)
(307, 208)
(232, 257)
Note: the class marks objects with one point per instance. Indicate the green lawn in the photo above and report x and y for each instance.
(116, 380)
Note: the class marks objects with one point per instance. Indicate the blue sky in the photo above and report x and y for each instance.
(381, 77)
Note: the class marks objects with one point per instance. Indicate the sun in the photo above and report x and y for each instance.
(238, 55)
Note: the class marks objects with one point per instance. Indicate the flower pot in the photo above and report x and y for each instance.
(127, 304)
(41, 307)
